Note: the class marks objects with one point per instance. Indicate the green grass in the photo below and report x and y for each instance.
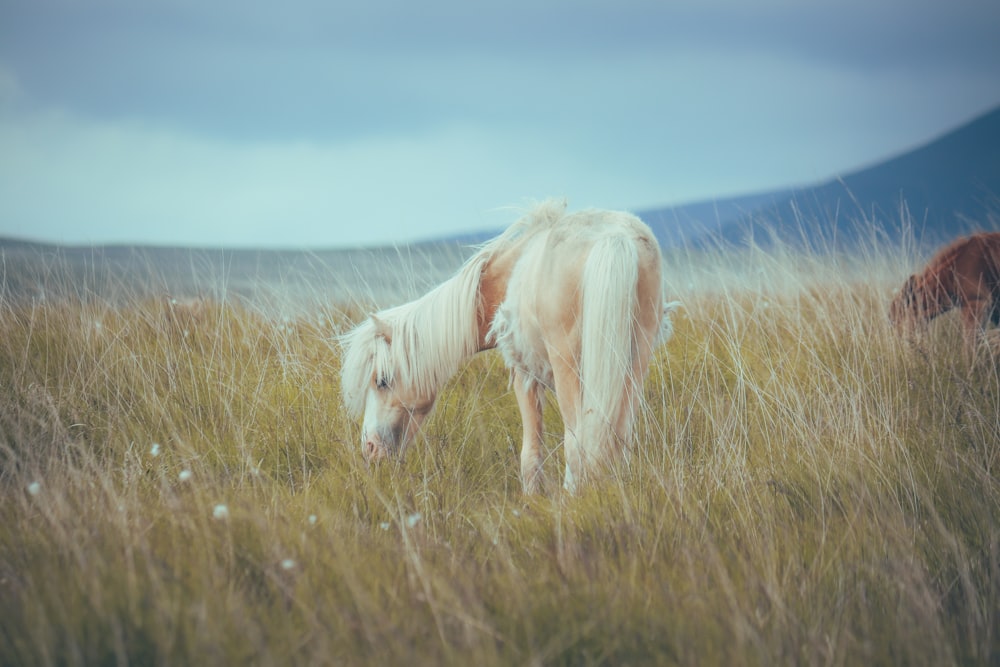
(804, 489)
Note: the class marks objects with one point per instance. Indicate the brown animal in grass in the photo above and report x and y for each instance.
(963, 275)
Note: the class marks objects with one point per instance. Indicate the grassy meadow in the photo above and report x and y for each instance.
(180, 485)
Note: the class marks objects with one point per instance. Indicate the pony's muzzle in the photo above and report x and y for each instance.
(373, 451)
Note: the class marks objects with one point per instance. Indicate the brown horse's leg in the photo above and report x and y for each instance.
(975, 313)
(529, 400)
(992, 336)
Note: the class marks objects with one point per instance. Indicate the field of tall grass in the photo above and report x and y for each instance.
(180, 485)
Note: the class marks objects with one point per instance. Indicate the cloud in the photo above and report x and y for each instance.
(73, 181)
(318, 123)
(310, 70)
(628, 132)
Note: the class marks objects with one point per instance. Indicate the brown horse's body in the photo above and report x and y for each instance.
(963, 275)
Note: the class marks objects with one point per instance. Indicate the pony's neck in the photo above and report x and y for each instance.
(492, 291)
(434, 334)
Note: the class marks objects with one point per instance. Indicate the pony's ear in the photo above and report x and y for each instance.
(382, 329)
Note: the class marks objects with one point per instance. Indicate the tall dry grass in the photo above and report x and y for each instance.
(180, 485)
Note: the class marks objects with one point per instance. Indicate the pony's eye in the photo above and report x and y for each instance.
(382, 384)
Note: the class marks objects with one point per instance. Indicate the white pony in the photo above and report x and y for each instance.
(572, 301)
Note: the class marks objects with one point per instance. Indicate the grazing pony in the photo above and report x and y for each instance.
(964, 275)
(572, 301)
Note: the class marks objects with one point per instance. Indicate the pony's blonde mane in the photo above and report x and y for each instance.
(432, 335)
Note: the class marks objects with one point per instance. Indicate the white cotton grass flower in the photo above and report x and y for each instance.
(154, 449)
(34, 488)
(384, 525)
(312, 519)
(184, 475)
(220, 512)
(413, 519)
(288, 564)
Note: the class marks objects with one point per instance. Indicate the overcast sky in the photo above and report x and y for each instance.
(318, 123)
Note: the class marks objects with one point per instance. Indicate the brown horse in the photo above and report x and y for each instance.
(963, 275)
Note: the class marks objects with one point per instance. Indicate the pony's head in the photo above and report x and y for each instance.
(377, 381)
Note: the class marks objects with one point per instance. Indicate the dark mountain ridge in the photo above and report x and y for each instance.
(944, 188)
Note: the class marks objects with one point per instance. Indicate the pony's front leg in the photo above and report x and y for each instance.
(529, 400)
(567, 386)
(574, 461)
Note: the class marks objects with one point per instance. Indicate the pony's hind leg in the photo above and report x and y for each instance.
(529, 400)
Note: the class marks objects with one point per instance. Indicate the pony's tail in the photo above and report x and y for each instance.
(607, 346)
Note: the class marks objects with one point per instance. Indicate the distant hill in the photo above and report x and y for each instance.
(692, 224)
(946, 187)
(380, 275)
